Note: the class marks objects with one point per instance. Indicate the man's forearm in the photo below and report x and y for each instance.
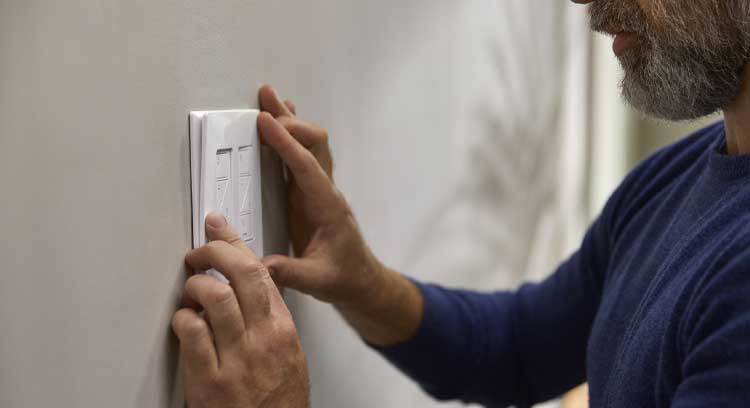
(389, 312)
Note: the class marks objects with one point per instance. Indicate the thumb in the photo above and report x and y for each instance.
(295, 273)
(218, 229)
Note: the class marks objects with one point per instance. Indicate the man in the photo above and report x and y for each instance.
(652, 310)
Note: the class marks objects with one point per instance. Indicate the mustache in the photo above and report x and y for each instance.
(614, 16)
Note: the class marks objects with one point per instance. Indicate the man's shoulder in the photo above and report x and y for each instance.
(683, 151)
(661, 170)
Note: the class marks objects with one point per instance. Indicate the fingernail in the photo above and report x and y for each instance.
(216, 221)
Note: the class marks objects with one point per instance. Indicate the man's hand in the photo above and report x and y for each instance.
(245, 352)
(333, 262)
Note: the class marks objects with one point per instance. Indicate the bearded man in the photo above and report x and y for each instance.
(653, 309)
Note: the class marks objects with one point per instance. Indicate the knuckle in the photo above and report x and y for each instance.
(251, 254)
(216, 383)
(228, 235)
(252, 266)
(220, 294)
(283, 335)
(287, 331)
(187, 324)
(194, 283)
(309, 161)
(196, 327)
(343, 205)
(233, 237)
(340, 197)
(215, 246)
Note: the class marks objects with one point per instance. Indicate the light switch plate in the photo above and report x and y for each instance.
(225, 170)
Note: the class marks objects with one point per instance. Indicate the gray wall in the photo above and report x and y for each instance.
(94, 97)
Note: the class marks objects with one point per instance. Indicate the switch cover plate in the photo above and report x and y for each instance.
(225, 173)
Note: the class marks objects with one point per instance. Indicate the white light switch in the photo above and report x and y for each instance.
(225, 164)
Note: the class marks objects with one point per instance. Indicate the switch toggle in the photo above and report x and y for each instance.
(223, 164)
(246, 194)
(223, 198)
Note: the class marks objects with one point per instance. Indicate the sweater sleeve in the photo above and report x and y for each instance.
(715, 340)
(508, 348)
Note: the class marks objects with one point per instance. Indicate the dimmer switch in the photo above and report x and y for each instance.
(225, 167)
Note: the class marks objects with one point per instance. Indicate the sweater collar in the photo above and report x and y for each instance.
(723, 165)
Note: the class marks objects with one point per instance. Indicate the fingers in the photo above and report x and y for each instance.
(218, 229)
(224, 314)
(188, 302)
(296, 273)
(270, 102)
(306, 133)
(249, 278)
(308, 173)
(219, 255)
(196, 342)
(290, 105)
(283, 271)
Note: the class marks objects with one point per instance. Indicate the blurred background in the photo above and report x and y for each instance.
(475, 140)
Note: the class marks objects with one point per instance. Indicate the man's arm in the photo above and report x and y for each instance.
(496, 348)
(508, 348)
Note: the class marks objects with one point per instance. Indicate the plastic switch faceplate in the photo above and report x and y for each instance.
(225, 174)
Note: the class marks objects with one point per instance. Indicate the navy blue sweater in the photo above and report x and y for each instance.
(653, 309)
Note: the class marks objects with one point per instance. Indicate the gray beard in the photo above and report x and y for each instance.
(675, 85)
(693, 67)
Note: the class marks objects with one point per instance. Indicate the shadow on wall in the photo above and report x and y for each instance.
(511, 180)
